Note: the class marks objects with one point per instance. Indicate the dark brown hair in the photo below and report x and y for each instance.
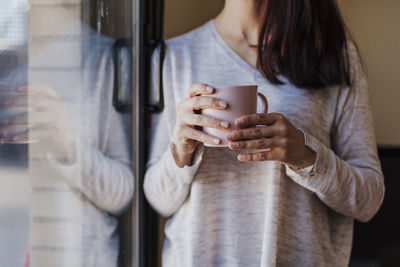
(304, 41)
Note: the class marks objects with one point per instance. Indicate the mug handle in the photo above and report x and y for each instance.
(264, 102)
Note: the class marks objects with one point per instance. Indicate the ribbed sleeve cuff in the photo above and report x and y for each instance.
(72, 172)
(187, 173)
(316, 180)
(302, 173)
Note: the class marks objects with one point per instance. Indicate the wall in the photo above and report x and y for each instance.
(374, 26)
(184, 15)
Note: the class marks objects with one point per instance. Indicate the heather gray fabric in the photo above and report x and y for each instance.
(226, 213)
(74, 207)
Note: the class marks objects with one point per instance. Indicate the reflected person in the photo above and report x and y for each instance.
(289, 186)
(79, 152)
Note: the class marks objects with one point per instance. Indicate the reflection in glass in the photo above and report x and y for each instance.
(57, 102)
(14, 182)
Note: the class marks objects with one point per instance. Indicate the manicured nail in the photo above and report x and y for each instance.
(225, 124)
(209, 89)
(230, 135)
(217, 141)
(241, 157)
(16, 138)
(239, 121)
(235, 144)
(222, 104)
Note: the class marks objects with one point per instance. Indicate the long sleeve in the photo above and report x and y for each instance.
(103, 177)
(348, 176)
(102, 171)
(166, 185)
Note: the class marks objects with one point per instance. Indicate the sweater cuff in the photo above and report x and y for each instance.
(300, 173)
(73, 172)
(187, 173)
(318, 179)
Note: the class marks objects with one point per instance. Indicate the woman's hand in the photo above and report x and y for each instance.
(274, 133)
(45, 120)
(187, 131)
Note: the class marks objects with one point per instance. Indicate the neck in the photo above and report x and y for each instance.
(239, 20)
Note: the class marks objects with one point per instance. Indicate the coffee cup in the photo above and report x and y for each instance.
(241, 100)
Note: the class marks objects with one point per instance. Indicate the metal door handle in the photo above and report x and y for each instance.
(120, 105)
(159, 105)
(125, 107)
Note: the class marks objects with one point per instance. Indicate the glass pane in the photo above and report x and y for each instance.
(67, 70)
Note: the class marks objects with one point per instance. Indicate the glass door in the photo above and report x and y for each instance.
(73, 132)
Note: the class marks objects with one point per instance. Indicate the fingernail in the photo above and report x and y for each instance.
(230, 135)
(239, 121)
(209, 89)
(217, 141)
(235, 144)
(22, 88)
(241, 157)
(222, 104)
(17, 138)
(225, 124)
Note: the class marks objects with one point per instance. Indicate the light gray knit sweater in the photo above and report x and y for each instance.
(74, 207)
(223, 212)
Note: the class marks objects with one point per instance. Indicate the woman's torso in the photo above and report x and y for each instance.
(250, 214)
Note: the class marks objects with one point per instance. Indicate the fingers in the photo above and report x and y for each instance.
(29, 133)
(251, 133)
(34, 116)
(198, 89)
(199, 136)
(37, 102)
(22, 138)
(39, 90)
(202, 102)
(21, 118)
(14, 134)
(204, 121)
(258, 119)
(269, 155)
(262, 143)
(14, 100)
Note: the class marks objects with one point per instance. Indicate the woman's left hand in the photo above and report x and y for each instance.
(273, 132)
(45, 120)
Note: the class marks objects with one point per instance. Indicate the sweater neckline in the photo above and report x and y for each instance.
(229, 51)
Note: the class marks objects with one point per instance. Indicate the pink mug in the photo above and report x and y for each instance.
(242, 100)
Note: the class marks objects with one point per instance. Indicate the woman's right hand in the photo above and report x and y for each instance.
(187, 131)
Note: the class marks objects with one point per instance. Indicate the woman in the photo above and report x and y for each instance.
(293, 203)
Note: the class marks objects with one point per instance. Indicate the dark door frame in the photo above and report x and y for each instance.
(150, 25)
